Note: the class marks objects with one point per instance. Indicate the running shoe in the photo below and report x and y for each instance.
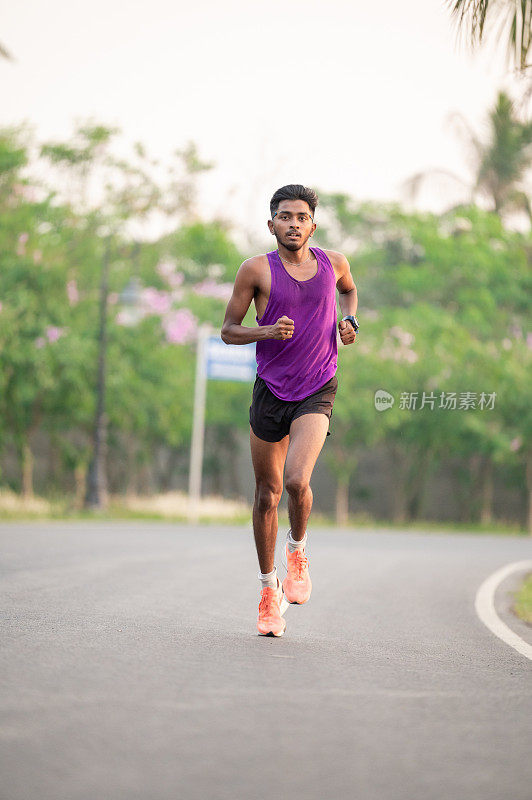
(297, 585)
(270, 621)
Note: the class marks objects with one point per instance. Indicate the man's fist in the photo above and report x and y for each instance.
(283, 328)
(347, 332)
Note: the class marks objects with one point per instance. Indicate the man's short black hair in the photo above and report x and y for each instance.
(294, 191)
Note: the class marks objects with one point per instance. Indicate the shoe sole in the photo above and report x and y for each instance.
(271, 633)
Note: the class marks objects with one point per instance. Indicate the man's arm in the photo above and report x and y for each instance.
(233, 332)
(345, 284)
(348, 299)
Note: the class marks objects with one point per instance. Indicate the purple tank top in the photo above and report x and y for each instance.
(296, 368)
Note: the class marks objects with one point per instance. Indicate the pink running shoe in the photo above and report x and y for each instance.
(297, 584)
(270, 622)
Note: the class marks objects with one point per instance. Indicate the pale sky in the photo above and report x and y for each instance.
(342, 96)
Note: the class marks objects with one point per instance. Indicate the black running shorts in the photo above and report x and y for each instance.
(270, 418)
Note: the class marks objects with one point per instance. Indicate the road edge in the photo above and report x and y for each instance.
(485, 607)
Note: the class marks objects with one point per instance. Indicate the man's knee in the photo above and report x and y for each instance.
(267, 497)
(296, 485)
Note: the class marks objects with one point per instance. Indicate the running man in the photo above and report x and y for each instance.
(294, 289)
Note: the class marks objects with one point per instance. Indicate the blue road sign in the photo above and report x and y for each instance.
(229, 362)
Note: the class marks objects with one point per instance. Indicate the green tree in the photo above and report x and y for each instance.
(440, 300)
(500, 162)
(35, 356)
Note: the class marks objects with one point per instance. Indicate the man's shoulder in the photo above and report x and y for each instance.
(255, 266)
(255, 261)
(335, 257)
(338, 260)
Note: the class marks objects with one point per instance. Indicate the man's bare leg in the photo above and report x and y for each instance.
(307, 436)
(268, 462)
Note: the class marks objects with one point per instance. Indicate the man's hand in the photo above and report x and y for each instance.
(283, 328)
(347, 332)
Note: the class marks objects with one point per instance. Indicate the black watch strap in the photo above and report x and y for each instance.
(353, 320)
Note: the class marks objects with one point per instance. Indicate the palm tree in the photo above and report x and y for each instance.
(500, 163)
(505, 159)
(506, 20)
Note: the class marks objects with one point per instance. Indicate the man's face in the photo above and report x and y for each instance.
(292, 224)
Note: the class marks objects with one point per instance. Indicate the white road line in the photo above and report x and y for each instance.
(485, 608)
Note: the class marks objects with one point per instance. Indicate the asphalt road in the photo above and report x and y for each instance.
(131, 669)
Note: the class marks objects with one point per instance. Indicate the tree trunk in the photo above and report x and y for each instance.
(80, 477)
(399, 512)
(26, 454)
(145, 488)
(216, 476)
(342, 500)
(398, 484)
(417, 483)
(131, 475)
(486, 497)
(410, 477)
(172, 461)
(232, 466)
(529, 489)
(27, 470)
(97, 495)
(468, 489)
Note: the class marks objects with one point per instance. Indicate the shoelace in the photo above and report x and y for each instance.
(300, 563)
(267, 601)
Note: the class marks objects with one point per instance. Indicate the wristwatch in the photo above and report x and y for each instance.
(353, 320)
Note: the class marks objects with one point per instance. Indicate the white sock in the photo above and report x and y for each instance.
(293, 544)
(269, 579)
